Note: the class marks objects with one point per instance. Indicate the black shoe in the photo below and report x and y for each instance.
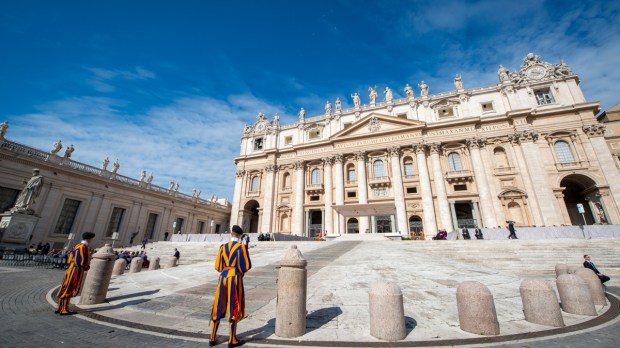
(212, 343)
(238, 344)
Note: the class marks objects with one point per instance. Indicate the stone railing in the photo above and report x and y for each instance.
(36, 154)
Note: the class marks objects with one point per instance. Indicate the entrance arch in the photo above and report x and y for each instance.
(580, 191)
(415, 224)
(353, 226)
(250, 217)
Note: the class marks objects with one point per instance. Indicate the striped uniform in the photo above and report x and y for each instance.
(79, 262)
(232, 262)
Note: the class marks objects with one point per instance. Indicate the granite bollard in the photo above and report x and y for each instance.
(136, 265)
(98, 278)
(476, 309)
(387, 314)
(540, 303)
(573, 269)
(292, 288)
(560, 268)
(119, 267)
(575, 295)
(594, 283)
(154, 264)
(172, 262)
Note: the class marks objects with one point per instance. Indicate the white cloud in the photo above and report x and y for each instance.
(192, 140)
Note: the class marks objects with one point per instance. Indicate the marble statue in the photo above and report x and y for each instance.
(104, 165)
(196, 193)
(57, 147)
(388, 94)
(338, 105)
(409, 91)
(69, 151)
(600, 213)
(27, 196)
(150, 178)
(142, 175)
(276, 120)
(503, 74)
(423, 89)
(328, 108)
(3, 127)
(171, 186)
(260, 117)
(247, 129)
(458, 82)
(115, 166)
(302, 114)
(176, 187)
(372, 94)
(356, 99)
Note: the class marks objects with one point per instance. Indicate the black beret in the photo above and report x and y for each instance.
(88, 235)
(236, 229)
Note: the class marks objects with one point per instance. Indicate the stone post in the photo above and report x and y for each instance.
(594, 284)
(540, 304)
(172, 262)
(575, 295)
(560, 269)
(573, 269)
(98, 278)
(387, 314)
(136, 265)
(154, 264)
(119, 267)
(291, 299)
(476, 309)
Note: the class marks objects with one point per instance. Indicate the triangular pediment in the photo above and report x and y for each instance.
(375, 124)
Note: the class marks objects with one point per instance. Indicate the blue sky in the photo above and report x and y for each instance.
(166, 86)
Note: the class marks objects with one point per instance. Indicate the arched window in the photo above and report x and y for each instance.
(351, 173)
(562, 150)
(454, 160)
(315, 177)
(286, 180)
(255, 184)
(408, 166)
(378, 169)
(500, 157)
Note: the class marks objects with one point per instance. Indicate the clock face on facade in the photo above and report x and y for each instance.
(536, 72)
(260, 127)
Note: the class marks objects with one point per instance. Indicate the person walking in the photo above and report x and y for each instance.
(232, 262)
(144, 241)
(79, 263)
(513, 232)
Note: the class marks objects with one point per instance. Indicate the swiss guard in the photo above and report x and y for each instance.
(79, 263)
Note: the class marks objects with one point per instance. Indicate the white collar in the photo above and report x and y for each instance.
(84, 242)
(234, 239)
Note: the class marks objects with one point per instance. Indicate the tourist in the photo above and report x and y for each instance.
(511, 228)
(144, 241)
(589, 264)
(79, 262)
(166, 236)
(478, 233)
(465, 232)
(177, 254)
(232, 262)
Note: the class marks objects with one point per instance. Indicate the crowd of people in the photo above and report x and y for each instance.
(130, 255)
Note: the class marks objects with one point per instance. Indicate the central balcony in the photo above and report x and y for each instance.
(315, 188)
(457, 176)
(379, 181)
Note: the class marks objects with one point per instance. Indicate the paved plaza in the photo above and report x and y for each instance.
(170, 307)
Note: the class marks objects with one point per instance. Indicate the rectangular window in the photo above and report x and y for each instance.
(487, 106)
(8, 196)
(288, 140)
(178, 225)
(67, 216)
(258, 144)
(201, 227)
(412, 190)
(314, 134)
(150, 225)
(462, 187)
(445, 112)
(346, 125)
(351, 194)
(544, 96)
(351, 174)
(315, 198)
(402, 116)
(116, 219)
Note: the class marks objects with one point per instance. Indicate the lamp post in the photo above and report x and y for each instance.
(70, 239)
(114, 238)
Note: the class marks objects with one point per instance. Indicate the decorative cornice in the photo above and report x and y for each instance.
(360, 155)
(271, 168)
(327, 161)
(338, 158)
(594, 130)
(299, 165)
(527, 135)
(434, 148)
(475, 143)
(420, 148)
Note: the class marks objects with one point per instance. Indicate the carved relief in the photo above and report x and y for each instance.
(434, 148)
(299, 165)
(419, 148)
(271, 168)
(526, 135)
(475, 143)
(374, 125)
(327, 161)
(394, 151)
(338, 158)
(594, 130)
(240, 173)
(360, 155)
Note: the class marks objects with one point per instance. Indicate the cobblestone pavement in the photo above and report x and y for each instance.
(27, 320)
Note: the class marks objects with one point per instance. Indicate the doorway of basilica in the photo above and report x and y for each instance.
(353, 226)
(383, 224)
(315, 222)
(415, 224)
(250, 217)
(580, 191)
(464, 212)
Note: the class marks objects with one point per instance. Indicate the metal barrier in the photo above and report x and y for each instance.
(23, 258)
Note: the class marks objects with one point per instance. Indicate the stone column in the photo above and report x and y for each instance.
(298, 212)
(270, 171)
(328, 213)
(527, 182)
(399, 192)
(486, 202)
(98, 277)
(455, 221)
(440, 186)
(430, 224)
(292, 289)
(338, 166)
(239, 175)
(538, 176)
(606, 162)
(362, 188)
